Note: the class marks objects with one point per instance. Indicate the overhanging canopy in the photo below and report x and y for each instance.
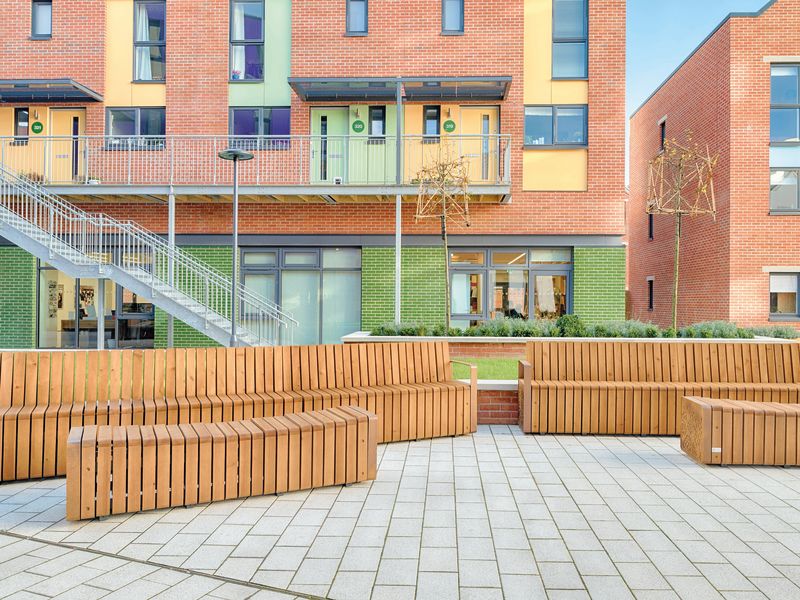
(352, 89)
(45, 90)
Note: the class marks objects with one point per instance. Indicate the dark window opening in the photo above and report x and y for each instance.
(662, 127)
(431, 123)
(650, 226)
(247, 40)
(650, 295)
(21, 126)
(149, 40)
(42, 19)
(258, 128)
(570, 39)
(556, 126)
(136, 128)
(377, 123)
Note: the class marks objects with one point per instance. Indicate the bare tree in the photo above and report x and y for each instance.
(443, 194)
(682, 184)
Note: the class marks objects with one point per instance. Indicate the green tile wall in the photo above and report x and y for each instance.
(17, 298)
(598, 284)
(423, 287)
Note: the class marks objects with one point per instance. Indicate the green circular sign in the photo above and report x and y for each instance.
(449, 126)
(358, 126)
(37, 127)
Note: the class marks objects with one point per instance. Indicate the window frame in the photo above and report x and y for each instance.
(261, 141)
(375, 138)
(488, 273)
(570, 40)
(142, 142)
(651, 294)
(794, 107)
(463, 20)
(554, 127)
(352, 32)
(785, 211)
(148, 44)
(651, 226)
(785, 316)
(21, 140)
(41, 36)
(432, 138)
(235, 43)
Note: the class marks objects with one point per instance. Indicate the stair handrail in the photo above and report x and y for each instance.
(130, 235)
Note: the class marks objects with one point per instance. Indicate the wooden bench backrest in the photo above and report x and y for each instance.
(30, 378)
(661, 361)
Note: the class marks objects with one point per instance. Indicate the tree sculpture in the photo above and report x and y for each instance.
(443, 194)
(682, 184)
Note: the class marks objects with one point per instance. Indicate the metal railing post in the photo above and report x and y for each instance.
(130, 159)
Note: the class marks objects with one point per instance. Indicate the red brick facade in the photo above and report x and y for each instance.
(721, 94)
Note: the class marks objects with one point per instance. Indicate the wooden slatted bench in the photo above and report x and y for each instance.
(44, 394)
(112, 470)
(635, 387)
(735, 432)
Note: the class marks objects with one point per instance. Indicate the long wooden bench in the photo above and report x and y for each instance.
(635, 387)
(735, 432)
(43, 394)
(120, 469)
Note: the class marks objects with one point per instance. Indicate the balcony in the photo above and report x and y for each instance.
(303, 168)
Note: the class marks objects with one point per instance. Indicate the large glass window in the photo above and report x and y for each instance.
(321, 288)
(357, 17)
(556, 126)
(783, 291)
(785, 104)
(784, 190)
(257, 125)
(247, 40)
(150, 40)
(41, 19)
(570, 39)
(147, 125)
(452, 16)
(515, 283)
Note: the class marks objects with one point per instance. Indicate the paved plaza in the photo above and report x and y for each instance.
(493, 515)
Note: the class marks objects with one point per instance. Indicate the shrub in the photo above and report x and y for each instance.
(714, 329)
(441, 331)
(534, 328)
(400, 329)
(571, 326)
(624, 329)
(494, 328)
(780, 331)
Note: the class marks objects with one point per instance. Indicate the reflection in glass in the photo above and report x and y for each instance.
(784, 125)
(467, 294)
(783, 294)
(550, 296)
(783, 190)
(569, 60)
(341, 304)
(467, 258)
(300, 298)
(511, 294)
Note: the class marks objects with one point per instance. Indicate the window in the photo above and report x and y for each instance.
(377, 123)
(650, 226)
(783, 294)
(570, 39)
(556, 125)
(42, 19)
(256, 123)
(452, 16)
(662, 134)
(137, 128)
(431, 118)
(321, 287)
(784, 192)
(357, 17)
(21, 123)
(509, 282)
(247, 40)
(650, 293)
(785, 104)
(149, 40)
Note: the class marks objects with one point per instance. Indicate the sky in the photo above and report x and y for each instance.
(662, 33)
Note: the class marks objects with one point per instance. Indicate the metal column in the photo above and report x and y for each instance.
(171, 239)
(398, 201)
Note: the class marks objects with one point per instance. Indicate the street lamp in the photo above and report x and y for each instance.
(235, 154)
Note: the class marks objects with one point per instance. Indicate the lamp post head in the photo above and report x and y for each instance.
(235, 154)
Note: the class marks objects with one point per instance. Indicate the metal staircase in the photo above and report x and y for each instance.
(83, 244)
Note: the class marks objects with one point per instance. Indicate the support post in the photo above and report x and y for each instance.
(101, 314)
(171, 240)
(398, 209)
(678, 227)
(235, 262)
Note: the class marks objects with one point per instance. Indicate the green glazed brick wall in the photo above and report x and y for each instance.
(217, 257)
(17, 298)
(423, 288)
(598, 284)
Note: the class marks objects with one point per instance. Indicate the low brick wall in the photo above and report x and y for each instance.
(498, 407)
(490, 350)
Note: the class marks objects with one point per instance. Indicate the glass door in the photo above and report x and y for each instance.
(90, 322)
(328, 145)
(66, 148)
(480, 127)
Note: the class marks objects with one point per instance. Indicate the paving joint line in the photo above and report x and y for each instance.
(150, 563)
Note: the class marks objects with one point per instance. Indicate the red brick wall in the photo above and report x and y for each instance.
(505, 350)
(498, 407)
(197, 67)
(75, 51)
(722, 94)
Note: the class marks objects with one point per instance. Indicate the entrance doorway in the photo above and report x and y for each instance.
(480, 126)
(67, 149)
(328, 145)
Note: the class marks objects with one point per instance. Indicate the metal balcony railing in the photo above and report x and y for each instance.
(294, 160)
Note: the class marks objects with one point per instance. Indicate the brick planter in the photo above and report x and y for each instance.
(460, 347)
(497, 403)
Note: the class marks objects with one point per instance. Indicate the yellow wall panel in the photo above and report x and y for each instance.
(120, 90)
(555, 170)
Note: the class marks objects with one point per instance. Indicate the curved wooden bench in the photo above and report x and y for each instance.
(112, 470)
(44, 394)
(735, 432)
(635, 387)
